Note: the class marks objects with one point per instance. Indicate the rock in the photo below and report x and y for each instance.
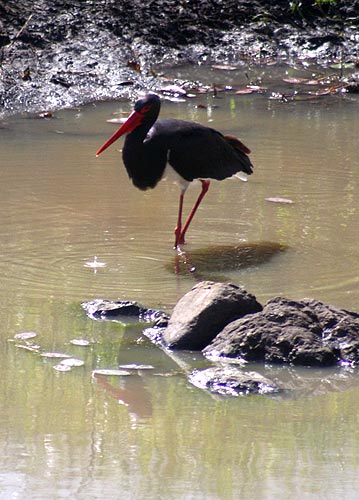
(306, 332)
(204, 311)
(231, 381)
(340, 329)
(108, 309)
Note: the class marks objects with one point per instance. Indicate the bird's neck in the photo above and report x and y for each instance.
(139, 134)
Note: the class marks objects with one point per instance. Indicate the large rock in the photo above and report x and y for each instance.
(204, 311)
(306, 332)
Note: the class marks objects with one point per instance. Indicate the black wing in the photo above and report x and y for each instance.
(196, 151)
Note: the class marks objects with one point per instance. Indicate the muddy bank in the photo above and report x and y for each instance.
(68, 53)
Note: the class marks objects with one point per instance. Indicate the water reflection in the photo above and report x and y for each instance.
(64, 435)
(201, 262)
(129, 391)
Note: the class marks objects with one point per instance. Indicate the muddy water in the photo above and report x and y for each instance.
(65, 435)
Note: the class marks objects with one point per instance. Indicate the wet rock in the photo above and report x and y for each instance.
(231, 381)
(108, 309)
(204, 311)
(306, 332)
(340, 329)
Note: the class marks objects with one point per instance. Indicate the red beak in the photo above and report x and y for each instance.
(132, 122)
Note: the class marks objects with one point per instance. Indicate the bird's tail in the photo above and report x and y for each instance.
(243, 151)
(237, 144)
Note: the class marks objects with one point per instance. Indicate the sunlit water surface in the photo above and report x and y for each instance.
(65, 435)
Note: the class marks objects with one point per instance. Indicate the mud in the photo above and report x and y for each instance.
(66, 53)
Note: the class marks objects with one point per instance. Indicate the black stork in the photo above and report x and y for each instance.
(194, 151)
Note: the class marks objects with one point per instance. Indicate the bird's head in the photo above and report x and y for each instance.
(145, 113)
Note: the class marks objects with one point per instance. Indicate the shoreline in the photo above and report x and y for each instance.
(73, 53)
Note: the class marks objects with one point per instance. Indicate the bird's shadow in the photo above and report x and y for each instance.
(201, 263)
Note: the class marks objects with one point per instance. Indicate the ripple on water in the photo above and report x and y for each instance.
(58, 262)
(60, 211)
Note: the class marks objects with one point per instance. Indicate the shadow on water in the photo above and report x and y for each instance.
(203, 262)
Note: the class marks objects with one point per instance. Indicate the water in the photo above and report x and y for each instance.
(66, 435)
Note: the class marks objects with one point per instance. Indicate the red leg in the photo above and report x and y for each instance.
(178, 228)
(205, 186)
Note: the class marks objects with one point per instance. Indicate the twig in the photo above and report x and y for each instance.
(21, 30)
(19, 33)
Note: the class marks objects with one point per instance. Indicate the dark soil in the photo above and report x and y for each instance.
(62, 53)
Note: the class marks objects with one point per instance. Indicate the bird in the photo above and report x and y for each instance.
(192, 150)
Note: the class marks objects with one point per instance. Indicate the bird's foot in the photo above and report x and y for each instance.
(177, 245)
(179, 237)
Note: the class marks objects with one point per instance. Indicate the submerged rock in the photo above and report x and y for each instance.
(204, 311)
(109, 309)
(306, 332)
(231, 381)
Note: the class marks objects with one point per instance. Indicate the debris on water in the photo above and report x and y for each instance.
(72, 362)
(175, 99)
(276, 199)
(116, 373)
(134, 366)
(250, 89)
(116, 120)
(62, 368)
(244, 91)
(67, 364)
(204, 106)
(25, 335)
(42, 115)
(224, 67)
(257, 88)
(29, 347)
(55, 355)
(279, 96)
(324, 91)
(294, 80)
(80, 342)
(175, 90)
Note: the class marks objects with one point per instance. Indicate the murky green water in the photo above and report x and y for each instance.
(65, 435)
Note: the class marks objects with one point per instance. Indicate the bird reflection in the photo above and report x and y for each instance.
(129, 391)
(220, 258)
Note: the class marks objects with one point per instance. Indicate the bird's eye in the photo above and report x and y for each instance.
(145, 109)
